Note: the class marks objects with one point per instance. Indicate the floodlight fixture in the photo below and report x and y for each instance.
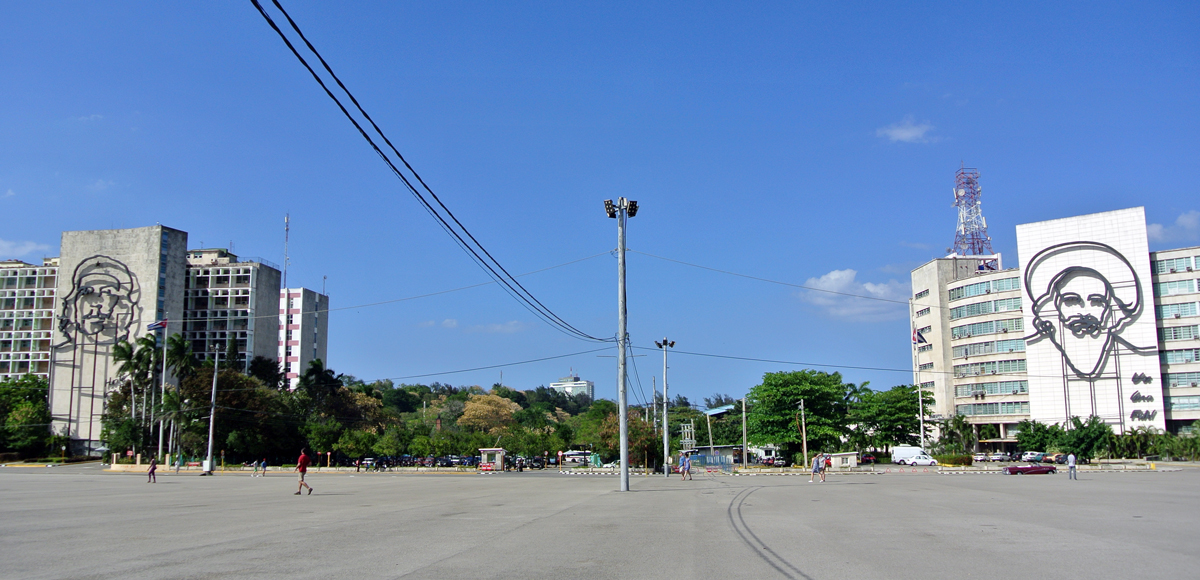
(631, 208)
(610, 209)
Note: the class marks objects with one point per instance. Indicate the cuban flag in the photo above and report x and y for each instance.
(918, 338)
(157, 325)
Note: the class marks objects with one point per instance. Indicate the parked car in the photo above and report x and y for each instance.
(1053, 458)
(980, 457)
(1062, 459)
(921, 460)
(1034, 456)
(902, 453)
(537, 462)
(1028, 469)
(867, 458)
(998, 456)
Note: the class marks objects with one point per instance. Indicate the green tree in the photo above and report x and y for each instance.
(19, 392)
(773, 407)
(1086, 438)
(27, 427)
(355, 443)
(1037, 436)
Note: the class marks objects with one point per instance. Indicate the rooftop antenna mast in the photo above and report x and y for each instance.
(971, 238)
(287, 230)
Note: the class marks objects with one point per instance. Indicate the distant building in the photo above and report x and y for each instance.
(231, 297)
(303, 331)
(26, 317)
(573, 385)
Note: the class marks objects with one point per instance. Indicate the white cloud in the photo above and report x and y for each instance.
(1186, 227)
(100, 185)
(449, 323)
(852, 307)
(8, 193)
(907, 131)
(17, 249)
(506, 328)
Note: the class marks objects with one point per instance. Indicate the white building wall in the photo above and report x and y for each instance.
(1060, 257)
(303, 331)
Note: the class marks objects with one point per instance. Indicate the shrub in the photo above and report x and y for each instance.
(964, 460)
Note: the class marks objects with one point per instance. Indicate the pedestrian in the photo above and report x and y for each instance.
(816, 468)
(1071, 466)
(264, 467)
(255, 474)
(825, 463)
(302, 468)
(153, 467)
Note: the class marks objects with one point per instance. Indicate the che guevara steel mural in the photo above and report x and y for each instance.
(103, 303)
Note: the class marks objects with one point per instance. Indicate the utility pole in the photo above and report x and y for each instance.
(163, 381)
(744, 433)
(664, 345)
(212, 411)
(803, 432)
(621, 211)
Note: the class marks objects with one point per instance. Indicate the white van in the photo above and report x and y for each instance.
(902, 454)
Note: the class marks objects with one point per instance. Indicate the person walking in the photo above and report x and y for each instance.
(1071, 466)
(264, 467)
(817, 465)
(255, 474)
(302, 468)
(826, 460)
(153, 467)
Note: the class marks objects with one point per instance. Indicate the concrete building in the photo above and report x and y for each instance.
(111, 284)
(573, 385)
(1091, 324)
(26, 317)
(228, 297)
(303, 331)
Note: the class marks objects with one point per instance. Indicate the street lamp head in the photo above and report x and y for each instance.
(658, 344)
(631, 208)
(610, 209)
(671, 344)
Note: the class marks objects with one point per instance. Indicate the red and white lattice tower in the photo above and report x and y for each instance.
(971, 238)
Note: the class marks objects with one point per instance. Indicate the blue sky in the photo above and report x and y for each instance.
(805, 143)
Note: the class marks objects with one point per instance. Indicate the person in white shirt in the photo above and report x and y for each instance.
(1071, 466)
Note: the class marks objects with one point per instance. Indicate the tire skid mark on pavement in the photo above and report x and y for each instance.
(738, 523)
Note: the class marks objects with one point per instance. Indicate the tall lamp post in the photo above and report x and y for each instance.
(664, 345)
(622, 210)
(212, 410)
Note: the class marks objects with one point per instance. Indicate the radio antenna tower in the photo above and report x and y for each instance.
(971, 238)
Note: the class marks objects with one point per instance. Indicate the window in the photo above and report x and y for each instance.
(1186, 355)
(1171, 265)
(921, 294)
(1174, 287)
(925, 330)
(997, 388)
(925, 348)
(989, 368)
(928, 385)
(985, 288)
(1181, 379)
(1182, 403)
(1005, 305)
(925, 366)
(1175, 310)
(922, 312)
(1177, 333)
(1013, 408)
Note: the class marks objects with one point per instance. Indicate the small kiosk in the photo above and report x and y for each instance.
(491, 459)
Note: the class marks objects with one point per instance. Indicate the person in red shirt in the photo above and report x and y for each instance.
(302, 468)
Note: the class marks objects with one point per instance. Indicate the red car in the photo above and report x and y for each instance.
(1028, 469)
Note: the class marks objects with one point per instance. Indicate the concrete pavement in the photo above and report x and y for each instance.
(77, 522)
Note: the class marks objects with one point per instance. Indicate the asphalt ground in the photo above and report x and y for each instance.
(79, 522)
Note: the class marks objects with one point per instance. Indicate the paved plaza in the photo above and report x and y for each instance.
(80, 522)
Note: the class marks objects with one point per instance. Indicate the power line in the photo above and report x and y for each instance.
(473, 248)
(495, 366)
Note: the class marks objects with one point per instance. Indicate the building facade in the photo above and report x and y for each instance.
(231, 298)
(26, 317)
(111, 285)
(573, 385)
(1092, 323)
(303, 331)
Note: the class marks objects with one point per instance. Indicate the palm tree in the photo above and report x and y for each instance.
(180, 359)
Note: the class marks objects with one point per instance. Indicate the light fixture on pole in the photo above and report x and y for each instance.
(664, 345)
(620, 211)
(212, 410)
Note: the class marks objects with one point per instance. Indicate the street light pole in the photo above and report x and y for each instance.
(804, 432)
(664, 345)
(621, 211)
(744, 454)
(212, 411)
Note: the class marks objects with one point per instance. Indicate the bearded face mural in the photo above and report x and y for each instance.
(1083, 294)
(102, 305)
